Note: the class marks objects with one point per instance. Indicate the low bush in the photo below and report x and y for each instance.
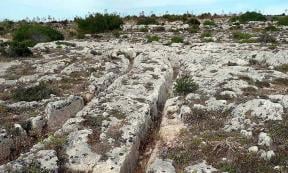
(209, 23)
(36, 33)
(283, 20)
(193, 22)
(152, 38)
(174, 17)
(35, 93)
(206, 34)
(116, 34)
(271, 28)
(283, 68)
(185, 85)
(6, 26)
(15, 49)
(249, 16)
(194, 29)
(147, 21)
(97, 23)
(145, 29)
(241, 35)
(177, 39)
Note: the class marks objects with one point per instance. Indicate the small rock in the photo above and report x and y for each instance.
(161, 166)
(264, 139)
(253, 149)
(200, 168)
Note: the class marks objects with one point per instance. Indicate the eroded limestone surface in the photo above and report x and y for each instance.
(109, 96)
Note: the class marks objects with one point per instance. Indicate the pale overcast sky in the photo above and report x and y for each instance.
(61, 9)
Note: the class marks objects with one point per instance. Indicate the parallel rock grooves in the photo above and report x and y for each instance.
(136, 96)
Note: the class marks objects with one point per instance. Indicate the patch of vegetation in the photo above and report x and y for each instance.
(177, 39)
(97, 23)
(241, 36)
(116, 34)
(207, 40)
(271, 28)
(209, 23)
(147, 21)
(194, 29)
(118, 114)
(248, 41)
(273, 46)
(6, 26)
(206, 34)
(184, 154)
(36, 33)
(280, 81)
(249, 16)
(36, 93)
(283, 20)
(175, 17)
(203, 120)
(266, 38)
(279, 132)
(185, 85)
(16, 49)
(3, 109)
(57, 143)
(283, 68)
(151, 38)
(94, 122)
(193, 22)
(227, 167)
(249, 162)
(145, 29)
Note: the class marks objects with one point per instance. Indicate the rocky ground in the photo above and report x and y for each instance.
(109, 103)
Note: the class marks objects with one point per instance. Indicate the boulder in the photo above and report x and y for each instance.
(60, 111)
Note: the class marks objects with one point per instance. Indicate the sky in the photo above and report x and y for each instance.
(68, 9)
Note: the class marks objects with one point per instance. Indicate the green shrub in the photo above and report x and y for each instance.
(35, 33)
(209, 23)
(249, 16)
(6, 26)
(185, 85)
(206, 34)
(147, 21)
(193, 22)
(283, 20)
(194, 29)
(241, 35)
(16, 49)
(271, 28)
(145, 29)
(152, 38)
(97, 23)
(116, 34)
(226, 167)
(35, 93)
(283, 68)
(177, 39)
(174, 17)
(207, 40)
